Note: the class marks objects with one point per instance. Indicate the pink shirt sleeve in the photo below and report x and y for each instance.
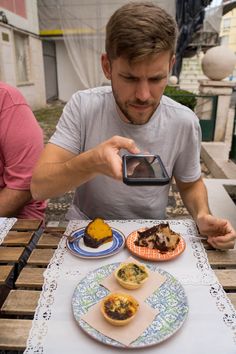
(21, 144)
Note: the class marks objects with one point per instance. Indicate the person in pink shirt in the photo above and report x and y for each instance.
(21, 142)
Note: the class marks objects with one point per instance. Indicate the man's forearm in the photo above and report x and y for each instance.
(194, 196)
(11, 201)
(219, 232)
(52, 179)
(59, 170)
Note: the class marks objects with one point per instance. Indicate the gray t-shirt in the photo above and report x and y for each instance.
(173, 132)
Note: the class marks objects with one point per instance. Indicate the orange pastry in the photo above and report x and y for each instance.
(97, 233)
(119, 308)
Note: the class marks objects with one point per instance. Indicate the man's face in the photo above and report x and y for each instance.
(138, 87)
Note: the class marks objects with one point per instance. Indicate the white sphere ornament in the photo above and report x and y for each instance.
(218, 63)
(173, 80)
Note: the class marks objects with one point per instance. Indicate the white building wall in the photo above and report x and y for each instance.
(68, 81)
(7, 73)
(34, 89)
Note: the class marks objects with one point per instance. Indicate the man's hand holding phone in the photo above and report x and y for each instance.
(144, 169)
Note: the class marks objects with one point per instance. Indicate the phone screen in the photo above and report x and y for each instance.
(144, 169)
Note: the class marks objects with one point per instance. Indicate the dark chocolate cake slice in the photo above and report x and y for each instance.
(159, 237)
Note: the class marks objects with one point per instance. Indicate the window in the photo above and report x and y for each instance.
(22, 57)
(5, 37)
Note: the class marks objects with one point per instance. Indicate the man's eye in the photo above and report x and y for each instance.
(156, 79)
(130, 78)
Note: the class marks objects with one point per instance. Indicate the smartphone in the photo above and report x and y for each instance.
(144, 169)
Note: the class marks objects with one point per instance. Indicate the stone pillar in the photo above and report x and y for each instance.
(223, 89)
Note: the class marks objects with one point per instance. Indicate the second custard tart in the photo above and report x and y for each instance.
(131, 275)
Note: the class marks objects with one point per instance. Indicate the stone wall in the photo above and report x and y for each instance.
(191, 73)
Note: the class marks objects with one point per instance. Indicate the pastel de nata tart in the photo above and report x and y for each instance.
(97, 233)
(119, 308)
(131, 275)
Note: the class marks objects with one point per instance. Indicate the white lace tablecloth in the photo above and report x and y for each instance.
(209, 328)
(5, 226)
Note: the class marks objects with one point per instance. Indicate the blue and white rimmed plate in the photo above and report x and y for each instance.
(170, 299)
(79, 249)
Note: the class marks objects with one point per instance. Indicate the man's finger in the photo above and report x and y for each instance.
(125, 143)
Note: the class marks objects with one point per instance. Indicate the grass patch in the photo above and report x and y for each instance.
(48, 117)
(49, 114)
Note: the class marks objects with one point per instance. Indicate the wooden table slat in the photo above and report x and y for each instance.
(21, 302)
(27, 225)
(60, 229)
(222, 258)
(232, 297)
(15, 238)
(40, 257)
(14, 333)
(11, 254)
(227, 278)
(30, 278)
(48, 241)
(5, 271)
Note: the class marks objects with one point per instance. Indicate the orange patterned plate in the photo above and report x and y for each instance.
(152, 254)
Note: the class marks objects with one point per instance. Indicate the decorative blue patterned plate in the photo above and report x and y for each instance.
(170, 299)
(79, 249)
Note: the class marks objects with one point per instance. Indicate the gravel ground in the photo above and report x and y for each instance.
(57, 207)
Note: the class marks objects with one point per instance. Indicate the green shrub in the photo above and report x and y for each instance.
(184, 97)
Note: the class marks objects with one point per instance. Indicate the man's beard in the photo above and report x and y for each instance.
(129, 116)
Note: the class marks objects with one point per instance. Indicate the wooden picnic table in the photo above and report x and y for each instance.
(18, 309)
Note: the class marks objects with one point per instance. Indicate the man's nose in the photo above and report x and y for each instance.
(142, 91)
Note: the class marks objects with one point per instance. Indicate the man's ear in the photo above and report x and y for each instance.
(172, 62)
(106, 66)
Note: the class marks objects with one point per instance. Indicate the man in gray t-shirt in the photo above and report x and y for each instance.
(99, 125)
(172, 132)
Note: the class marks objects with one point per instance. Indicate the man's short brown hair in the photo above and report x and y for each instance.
(140, 29)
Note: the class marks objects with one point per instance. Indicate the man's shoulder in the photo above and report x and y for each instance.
(10, 96)
(176, 109)
(172, 104)
(101, 92)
